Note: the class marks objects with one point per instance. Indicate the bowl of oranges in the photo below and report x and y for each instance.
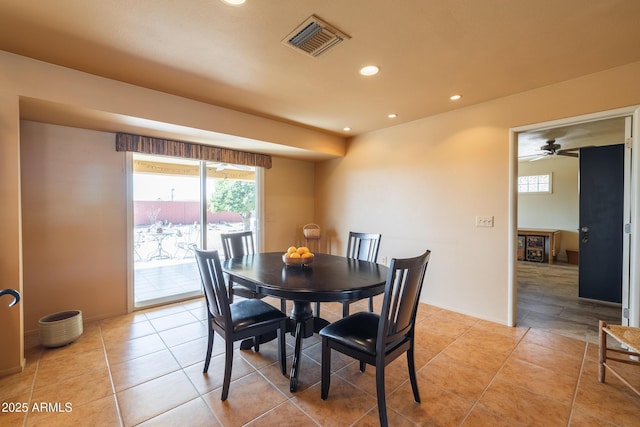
(297, 256)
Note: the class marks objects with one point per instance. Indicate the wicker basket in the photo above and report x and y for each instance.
(59, 329)
(311, 231)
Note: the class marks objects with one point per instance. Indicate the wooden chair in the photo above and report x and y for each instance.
(379, 339)
(249, 318)
(362, 246)
(629, 337)
(237, 245)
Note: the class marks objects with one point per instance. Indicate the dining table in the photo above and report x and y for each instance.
(329, 278)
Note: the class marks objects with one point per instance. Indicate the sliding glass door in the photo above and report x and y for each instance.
(172, 216)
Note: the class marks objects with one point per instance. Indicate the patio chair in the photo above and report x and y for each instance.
(137, 244)
(186, 243)
(379, 339)
(248, 318)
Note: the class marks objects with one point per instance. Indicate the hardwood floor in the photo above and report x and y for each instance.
(548, 300)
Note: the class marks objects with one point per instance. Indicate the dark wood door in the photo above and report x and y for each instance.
(601, 222)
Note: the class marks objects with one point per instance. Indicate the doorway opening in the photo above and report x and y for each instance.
(545, 295)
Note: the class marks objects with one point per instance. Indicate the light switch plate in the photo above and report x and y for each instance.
(484, 221)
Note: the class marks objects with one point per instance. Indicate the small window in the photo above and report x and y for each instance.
(534, 184)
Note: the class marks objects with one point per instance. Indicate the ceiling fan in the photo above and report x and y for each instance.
(222, 166)
(551, 148)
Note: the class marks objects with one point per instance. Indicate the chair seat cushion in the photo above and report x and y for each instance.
(358, 331)
(252, 311)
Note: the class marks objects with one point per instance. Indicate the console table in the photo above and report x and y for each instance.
(551, 240)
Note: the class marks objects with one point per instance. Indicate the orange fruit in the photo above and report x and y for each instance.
(306, 255)
(294, 255)
(291, 249)
(303, 250)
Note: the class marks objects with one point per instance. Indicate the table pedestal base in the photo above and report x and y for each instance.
(305, 326)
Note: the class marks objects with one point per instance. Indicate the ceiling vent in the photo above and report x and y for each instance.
(314, 36)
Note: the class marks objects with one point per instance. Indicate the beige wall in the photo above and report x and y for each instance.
(74, 222)
(422, 184)
(558, 210)
(288, 202)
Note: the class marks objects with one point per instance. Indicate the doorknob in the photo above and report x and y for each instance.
(585, 234)
(15, 294)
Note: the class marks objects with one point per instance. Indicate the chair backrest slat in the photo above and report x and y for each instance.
(237, 244)
(363, 246)
(398, 284)
(401, 297)
(214, 286)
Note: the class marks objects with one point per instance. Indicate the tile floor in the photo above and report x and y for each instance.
(145, 369)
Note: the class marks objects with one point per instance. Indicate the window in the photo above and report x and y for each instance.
(534, 184)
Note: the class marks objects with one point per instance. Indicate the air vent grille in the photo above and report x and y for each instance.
(314, 36)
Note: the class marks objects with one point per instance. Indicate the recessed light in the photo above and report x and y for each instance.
(346, 129)
(369, 70)
(392, 115)
(455, 97)
(234, 2)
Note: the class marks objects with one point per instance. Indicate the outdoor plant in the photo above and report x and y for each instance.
(234, 196)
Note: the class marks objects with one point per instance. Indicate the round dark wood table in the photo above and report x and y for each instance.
(329, 278)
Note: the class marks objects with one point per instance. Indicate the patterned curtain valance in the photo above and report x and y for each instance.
(189, 150)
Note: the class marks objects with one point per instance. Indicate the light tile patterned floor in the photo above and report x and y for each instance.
(145, 369)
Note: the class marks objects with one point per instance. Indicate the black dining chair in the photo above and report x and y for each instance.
(247, 318)
(379, 339)
(236, 245)
(362, 246)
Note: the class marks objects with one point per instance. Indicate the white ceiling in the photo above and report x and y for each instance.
(233, 57)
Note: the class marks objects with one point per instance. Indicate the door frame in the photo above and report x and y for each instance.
(634, 195)
(128, 164)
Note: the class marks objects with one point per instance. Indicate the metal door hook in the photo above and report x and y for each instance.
(14, 293)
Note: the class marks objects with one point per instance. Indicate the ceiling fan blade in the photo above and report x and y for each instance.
(568, 153)
(223, 166)
(538, 158)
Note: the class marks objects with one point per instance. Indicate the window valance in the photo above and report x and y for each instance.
(189, 150)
